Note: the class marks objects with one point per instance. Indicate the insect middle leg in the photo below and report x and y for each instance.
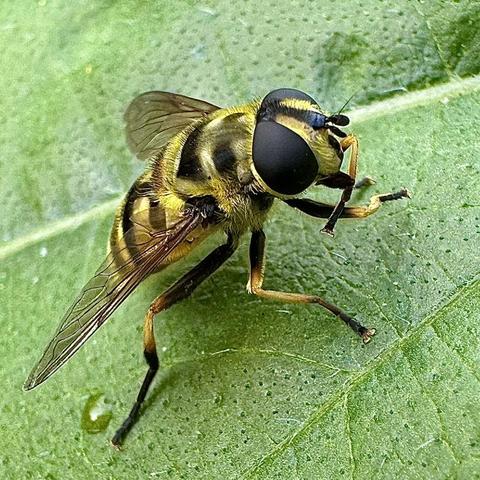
(257, 268)
(178, 291)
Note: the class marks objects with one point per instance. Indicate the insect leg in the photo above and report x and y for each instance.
(255, 282)
(348, 142)
(178, 291)
(364, 182)
(323, 210)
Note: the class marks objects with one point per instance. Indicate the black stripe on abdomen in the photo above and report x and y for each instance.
(138, 190)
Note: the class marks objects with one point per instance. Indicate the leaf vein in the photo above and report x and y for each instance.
(440, 54)
(426, 394)
(348, 434)
(457, 297)
(375, 110)
(256, 351)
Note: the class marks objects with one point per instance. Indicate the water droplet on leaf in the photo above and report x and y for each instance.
(97, 414)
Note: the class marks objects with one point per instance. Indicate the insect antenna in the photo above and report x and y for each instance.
(347, 102)
(338, 118)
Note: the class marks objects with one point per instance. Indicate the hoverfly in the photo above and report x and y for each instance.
(210, 169)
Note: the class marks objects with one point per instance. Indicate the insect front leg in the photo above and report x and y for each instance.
(324, 210)
(257, 269)
(348, 142)
(178, 291)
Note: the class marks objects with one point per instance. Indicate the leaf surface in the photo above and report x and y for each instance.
(248, 388)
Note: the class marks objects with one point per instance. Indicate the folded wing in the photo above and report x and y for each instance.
(141, 253)
(153, 118)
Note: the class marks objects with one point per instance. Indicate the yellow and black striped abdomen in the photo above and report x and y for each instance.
(138, 211)
(138, 217)
(143, 214)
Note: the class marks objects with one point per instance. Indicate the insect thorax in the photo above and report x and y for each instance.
(213, 157)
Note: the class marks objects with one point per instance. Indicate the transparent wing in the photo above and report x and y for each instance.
(141, 253)
(154, 117)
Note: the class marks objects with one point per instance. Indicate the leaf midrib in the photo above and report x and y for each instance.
(460, 295)
(359, 115)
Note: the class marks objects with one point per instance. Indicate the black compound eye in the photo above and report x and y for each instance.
(282, 159)
(269, 105)
(283, 93)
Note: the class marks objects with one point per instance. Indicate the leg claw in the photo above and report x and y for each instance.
(116, 446)
(368, 334)
(328, 231)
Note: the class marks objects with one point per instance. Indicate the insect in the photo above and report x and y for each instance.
(210, 169)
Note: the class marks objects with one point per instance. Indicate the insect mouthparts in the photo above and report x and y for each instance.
(336, 131)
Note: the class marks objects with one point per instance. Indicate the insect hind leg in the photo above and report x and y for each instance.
(151, 357)
(178, 291)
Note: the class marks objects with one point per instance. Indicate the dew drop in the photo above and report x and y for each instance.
(97, 414)
(208, 11)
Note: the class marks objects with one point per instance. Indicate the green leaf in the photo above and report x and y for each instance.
(248, 388)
